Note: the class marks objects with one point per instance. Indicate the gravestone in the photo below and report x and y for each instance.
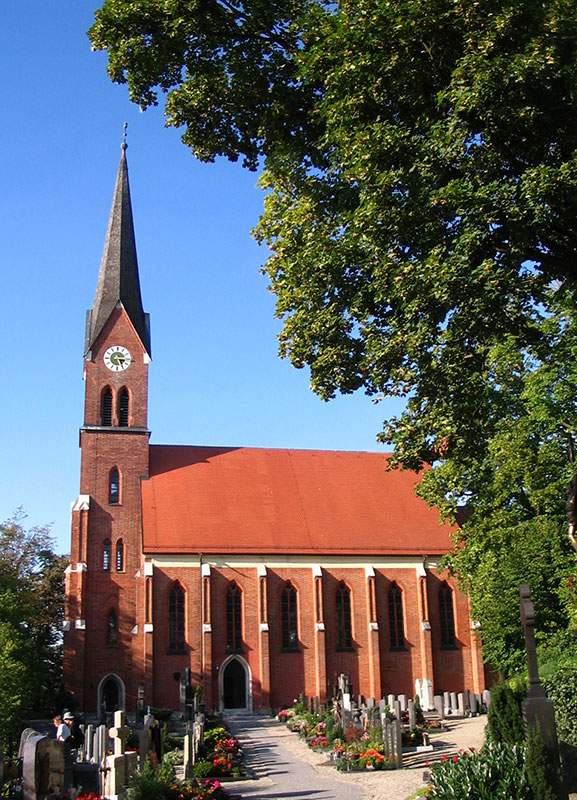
(403, 701)
(189, 751)
(461, 704)
(391, 701)
(44, 767)
(397, 709)
(121, 766)
(89, 743)
(539, 710)
(26, 734)
(412, 715)
(438, 701)
(473, 705)
(454, 705)
(382, 705)
(446, 703)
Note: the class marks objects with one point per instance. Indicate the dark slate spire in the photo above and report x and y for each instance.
(118, 280)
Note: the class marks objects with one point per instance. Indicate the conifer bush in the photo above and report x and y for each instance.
(505, 717)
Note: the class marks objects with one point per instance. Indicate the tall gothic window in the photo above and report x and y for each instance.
(447, 617)
(233, 617)
(343, 609)
(396, 622)
(106, 555)
(289, 617)
(112, 632)
(120, 556)
(123, 408)
(114, 487)
(176, 619)
(106, 407)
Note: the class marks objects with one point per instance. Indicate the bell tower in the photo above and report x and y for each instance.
(104, 643)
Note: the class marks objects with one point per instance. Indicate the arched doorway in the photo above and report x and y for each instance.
(111, 694)
(235, 684)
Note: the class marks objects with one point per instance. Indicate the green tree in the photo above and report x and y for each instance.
(420, 164)
(31, 614)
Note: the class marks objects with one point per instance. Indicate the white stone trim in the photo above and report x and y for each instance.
(319, 626)
(206, 627)
(134, 631)
(373, 626)
(369, 571)
(205, 570)
(82, 503)
(66, 625)
(283, 561)
(148, 569)
(261, 570)
(148, 627)
(263, 627)
(80, 624)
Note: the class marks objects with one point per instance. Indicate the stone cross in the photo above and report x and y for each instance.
(538, 708)
(119, 733)
(528, 621)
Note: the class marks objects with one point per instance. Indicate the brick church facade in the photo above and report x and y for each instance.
(261, 573)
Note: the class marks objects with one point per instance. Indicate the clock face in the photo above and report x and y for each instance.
(117, 358)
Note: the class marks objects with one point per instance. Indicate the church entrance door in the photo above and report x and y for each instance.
(234, 685)
(110, 695)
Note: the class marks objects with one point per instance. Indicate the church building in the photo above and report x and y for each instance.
(260, 573)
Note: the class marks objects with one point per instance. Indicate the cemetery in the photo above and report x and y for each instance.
(529, 752)
(394, 733)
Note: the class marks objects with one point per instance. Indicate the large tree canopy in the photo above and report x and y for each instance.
(31, 615)
(420, 163)
(420, 159)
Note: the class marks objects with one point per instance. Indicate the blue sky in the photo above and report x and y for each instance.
(216, 377)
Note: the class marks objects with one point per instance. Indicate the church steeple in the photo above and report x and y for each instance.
(118, 280)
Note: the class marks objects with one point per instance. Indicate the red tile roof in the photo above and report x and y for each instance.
(258, 501)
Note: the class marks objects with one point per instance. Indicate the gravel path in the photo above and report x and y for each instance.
(284, 767)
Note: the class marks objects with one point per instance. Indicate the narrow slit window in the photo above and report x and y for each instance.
(114, 487)
(447, 617)
(396, 621)
(123, 408)
(289, 618)
(233, 617)
(343, 609)
(176, 638)
(106, 555)
(120, 556)
(106, 407)
(112, 636)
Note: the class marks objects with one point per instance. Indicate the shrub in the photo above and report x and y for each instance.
(202, 770)
(496, 773)
(505, 718)
(161, 714)
(542, 774)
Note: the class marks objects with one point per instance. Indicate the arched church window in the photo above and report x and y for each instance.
(289, 617)
(233, 617)
(396, 621)
(112, 632)
(106, 407)
(106, 555)
(120, 556)
(447, 617)
(343, 609)
(114, 487)
(123, 407)
(176, 639)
